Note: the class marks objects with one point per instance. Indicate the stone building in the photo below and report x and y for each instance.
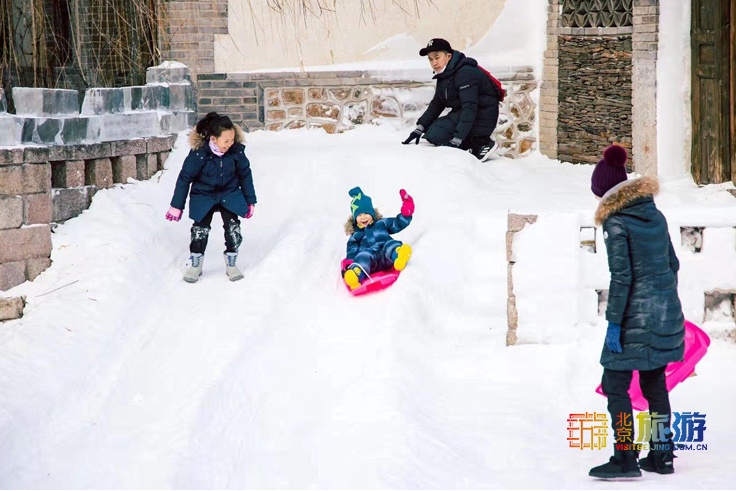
(625, 71)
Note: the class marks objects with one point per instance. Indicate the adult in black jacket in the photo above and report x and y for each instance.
(471, 96)
(645, 321)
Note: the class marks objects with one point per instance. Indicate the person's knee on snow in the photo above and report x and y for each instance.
(470, 92)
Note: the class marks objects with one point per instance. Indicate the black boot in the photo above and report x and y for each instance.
(659, 461)
(621, 465)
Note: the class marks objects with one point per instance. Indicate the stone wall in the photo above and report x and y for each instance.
(337, 101)
(574, 126)
(594, 96)
(43, 185)
(53, 158)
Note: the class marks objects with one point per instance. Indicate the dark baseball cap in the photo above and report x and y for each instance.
(436, 44)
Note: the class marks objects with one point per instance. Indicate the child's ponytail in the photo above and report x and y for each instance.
(214, 124)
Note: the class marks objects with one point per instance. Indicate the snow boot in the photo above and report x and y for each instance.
(230, 268)
(485, 152)
(659, 461)
(195, 268)
(354, 276)
(621, 466)
(401, 256)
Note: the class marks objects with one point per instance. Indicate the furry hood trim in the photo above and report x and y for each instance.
(621, 195)
(197, 141)
(350, 224)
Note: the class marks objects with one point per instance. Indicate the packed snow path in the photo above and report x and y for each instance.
(121, 375)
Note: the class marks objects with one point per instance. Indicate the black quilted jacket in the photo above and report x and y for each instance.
(643, 293)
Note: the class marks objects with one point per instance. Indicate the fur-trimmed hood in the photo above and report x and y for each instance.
(350, 224)
(621, 195)
(197, 141)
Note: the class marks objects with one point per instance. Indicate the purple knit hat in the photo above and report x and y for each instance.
(610, 171)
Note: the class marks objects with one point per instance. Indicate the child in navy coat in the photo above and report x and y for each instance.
(370, 246)
(221, 181)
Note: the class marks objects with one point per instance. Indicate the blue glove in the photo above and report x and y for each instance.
(414, 136)
(454, 143)
(613, 338)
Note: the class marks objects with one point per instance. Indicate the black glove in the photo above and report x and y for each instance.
(414, 135)
(454, 143)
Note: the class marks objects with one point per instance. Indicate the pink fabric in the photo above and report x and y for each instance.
(251, 209)
(216, 150)
(407, 207)
(173, 215)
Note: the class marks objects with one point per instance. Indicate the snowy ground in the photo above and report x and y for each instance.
(121, 375)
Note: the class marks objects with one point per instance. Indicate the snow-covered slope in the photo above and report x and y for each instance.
(121, 375)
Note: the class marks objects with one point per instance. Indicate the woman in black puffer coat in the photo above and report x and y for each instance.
(645, 321)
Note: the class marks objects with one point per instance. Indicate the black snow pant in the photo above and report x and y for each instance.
(616, 385)
(201, 231)
(441, 131)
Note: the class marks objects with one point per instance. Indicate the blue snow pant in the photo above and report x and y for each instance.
(441, 131)
(382, 261)
(201, 231)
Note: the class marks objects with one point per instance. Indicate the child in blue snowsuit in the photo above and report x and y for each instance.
(370, 246)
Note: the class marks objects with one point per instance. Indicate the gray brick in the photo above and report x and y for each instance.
(68, 203)
(98, 173)
(36, 178)
(144, 164)
(11, 212)
(9, 156)
(23, 243)
(11, 180)
(61, 152)
(92, 151)
(123, 167)
(37, 208)
(67, 174)
(161, 159)
(35, 154)
(157, 144)
(127, 147)
(11, 274)
(35, 266)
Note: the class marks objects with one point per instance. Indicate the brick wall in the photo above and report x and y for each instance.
(50, 184)
(644, 86)
(190, 32)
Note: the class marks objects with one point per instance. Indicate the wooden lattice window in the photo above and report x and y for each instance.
(596, 13)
